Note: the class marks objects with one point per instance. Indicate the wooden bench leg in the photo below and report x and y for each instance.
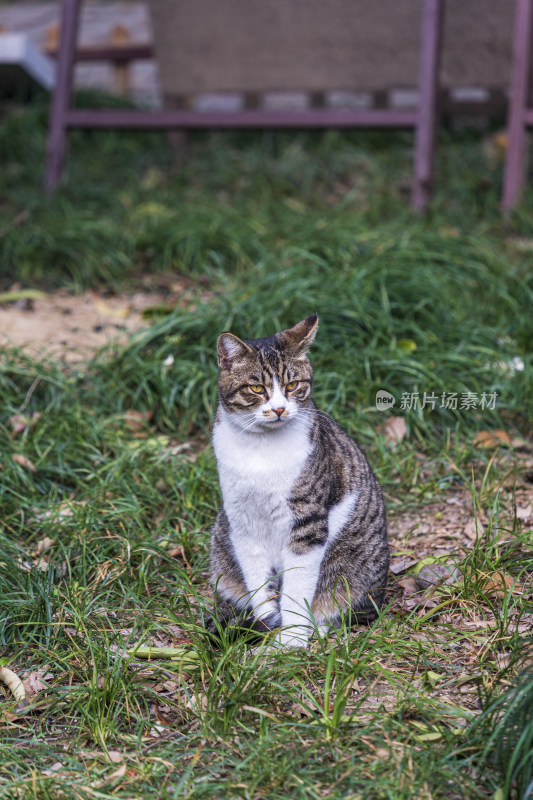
(57, 131)
(516, 125)
(432, 19)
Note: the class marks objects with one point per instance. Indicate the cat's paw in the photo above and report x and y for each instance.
(293, 638)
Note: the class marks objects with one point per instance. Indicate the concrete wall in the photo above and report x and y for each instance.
(319, 45)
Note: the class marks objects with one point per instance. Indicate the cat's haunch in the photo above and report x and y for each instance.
(301, 538)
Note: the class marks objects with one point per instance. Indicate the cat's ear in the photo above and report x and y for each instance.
(301, 337)
(231, 349)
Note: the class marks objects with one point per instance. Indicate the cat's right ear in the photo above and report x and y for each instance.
(231, 349)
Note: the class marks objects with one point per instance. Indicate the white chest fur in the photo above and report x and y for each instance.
(257, 472)
(257, 475)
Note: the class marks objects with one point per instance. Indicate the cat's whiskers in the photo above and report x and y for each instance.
(249, 426)
(323, 414)
(321, 422)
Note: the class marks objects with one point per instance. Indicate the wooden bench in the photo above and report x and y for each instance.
(422, 119)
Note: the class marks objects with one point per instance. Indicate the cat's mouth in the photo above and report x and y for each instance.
(275, 422)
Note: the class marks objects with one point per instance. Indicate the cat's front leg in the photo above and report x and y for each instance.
(254, 560)
(240, 574)
(300, 577)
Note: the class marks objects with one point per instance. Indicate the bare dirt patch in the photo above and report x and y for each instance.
(452, 524)
(73, 327)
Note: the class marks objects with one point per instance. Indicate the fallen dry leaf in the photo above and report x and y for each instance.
(19, 422)
(301, 711)
(474, 625)
(137, 420)
(118, 773)
(519, 444)
(178, 551)
(410, 594)
(64, 509)
(44, 544)
(398, 565)
(197, 703)
(24, 461)
(413, 597)
(160, 716)
(33, 683)
(7, 716)
(395, 429)
(157, 730)
(471, 530)
(503, 660)
(426, 601)
(53, 769)
(524, 627)
(432, 574)
(500, 584)
(13, 683)
(491, 439)
(407, 582)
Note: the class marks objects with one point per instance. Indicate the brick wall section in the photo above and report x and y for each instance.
(227, 54)
(319, 45)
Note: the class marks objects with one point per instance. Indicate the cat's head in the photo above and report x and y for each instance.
(265, 383)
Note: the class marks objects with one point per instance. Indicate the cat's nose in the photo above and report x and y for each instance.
(279, 411)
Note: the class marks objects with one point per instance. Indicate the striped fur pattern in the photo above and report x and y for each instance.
(301, 536)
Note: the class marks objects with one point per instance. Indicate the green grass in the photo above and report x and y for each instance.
(105, 544)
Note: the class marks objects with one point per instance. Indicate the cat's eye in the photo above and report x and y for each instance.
(258, 388)
(291, 386)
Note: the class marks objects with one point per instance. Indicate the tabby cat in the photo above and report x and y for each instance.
(301, 536)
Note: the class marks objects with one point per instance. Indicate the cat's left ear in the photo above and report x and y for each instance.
(302, 335)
